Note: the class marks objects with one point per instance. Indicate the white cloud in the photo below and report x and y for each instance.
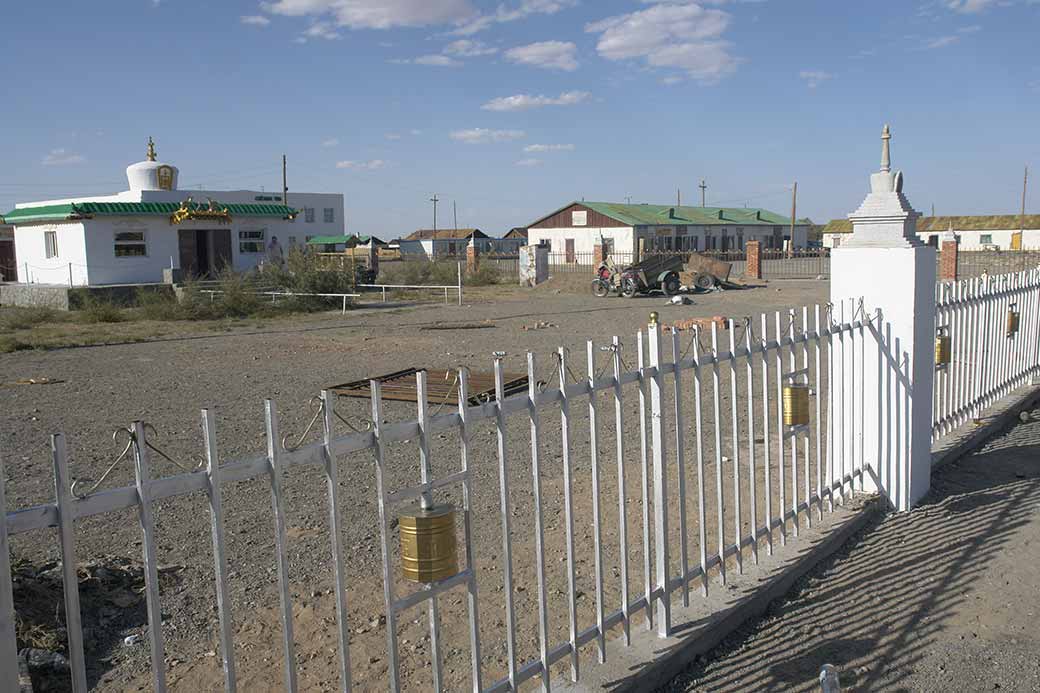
(484, 135)
(370, 165)
(392, 136)
(529, 162)
(533, 148)
(436, 61)
(942, 41)
(415, 132)
(524, 9)
(970, 29)
(814, 78)
(520, 102)
(467, 48)
(254, 20)
(550, 55)
(330, 142)
(62, 157)
(319, 30)
(377, 14)
(684, 36)
(970, 6)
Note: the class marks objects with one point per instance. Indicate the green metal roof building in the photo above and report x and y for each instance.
(576, 228)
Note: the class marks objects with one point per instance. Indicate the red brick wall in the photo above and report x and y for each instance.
(754, 260)
(948, 261)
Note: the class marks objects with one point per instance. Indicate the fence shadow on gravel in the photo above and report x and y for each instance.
(876, 608)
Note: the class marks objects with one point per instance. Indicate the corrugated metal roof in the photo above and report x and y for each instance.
(88, 209)
(983, 222)
(660, 215)
(441, 234)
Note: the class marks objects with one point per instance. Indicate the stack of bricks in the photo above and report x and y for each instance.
(690, 323)
(948, 261)
(754, 260)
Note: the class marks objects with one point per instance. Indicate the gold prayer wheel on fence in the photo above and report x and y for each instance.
(1012, 319)
(942, 347)
(428, 545)
(796, 404)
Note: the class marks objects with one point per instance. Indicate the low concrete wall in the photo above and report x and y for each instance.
(64, 298)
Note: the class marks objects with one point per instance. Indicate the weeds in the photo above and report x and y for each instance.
(26, 318)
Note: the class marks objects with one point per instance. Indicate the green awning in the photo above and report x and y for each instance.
(86, 210)
(328, 240)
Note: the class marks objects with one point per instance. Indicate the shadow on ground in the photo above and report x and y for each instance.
(916, 600)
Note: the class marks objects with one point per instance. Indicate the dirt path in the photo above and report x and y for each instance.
(941, 599)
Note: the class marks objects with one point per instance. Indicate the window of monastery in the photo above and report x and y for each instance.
(251, 241)
(130, 244)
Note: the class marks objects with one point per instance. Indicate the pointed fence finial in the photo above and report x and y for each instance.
(886, 158)
(151, 149)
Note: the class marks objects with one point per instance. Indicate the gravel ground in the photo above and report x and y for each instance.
(943, 598)
(166, 382)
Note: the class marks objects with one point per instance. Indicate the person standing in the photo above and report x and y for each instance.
(275, 256)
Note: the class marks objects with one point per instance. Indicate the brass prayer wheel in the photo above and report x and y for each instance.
(942, 347)
(428, 546)
(796, 404)
(1012, 319)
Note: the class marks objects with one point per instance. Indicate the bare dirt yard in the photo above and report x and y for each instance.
(943, 598)
(231, 370)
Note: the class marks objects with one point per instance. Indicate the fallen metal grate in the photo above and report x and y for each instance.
(441, 384)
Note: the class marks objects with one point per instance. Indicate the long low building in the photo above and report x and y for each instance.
(985, 232)
(131, 237)
(576, 228)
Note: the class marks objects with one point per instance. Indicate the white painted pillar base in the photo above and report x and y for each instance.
(898, 377)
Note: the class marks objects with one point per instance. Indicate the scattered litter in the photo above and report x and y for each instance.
(132, 640)
(460, 325)
(691, 323)
(540, 325)
(37, 381)
(680, 301)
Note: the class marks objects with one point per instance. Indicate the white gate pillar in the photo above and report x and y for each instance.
(886, 264)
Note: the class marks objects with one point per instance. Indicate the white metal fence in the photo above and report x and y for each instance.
(722, 478)
(987, 359)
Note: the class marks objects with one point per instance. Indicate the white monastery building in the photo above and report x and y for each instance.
(131, 237)
(575, 229)
(985, 232)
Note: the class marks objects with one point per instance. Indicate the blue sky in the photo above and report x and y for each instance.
(512, 109)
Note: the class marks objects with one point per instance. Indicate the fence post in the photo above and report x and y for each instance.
(459, 279)
(8, 643)
(753, 269)
(663, 601)
(884, 239)
(948, 259)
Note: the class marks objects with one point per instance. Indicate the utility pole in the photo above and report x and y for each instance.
(933, 209)
(455, 215)
(794, 212)
(678, 197)
(628, 199)
(435, 200)
(704, 189)
(285, 185)
(1022, 216)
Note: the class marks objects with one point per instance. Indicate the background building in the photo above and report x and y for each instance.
(132, 236)
(990, 232)
(576, 228)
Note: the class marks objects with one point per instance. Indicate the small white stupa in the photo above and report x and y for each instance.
(885, 219)
(151, 174)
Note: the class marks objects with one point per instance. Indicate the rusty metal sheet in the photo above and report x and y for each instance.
(442, 386)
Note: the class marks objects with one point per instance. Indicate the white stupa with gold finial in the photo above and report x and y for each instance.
(151, 174)
(885, 219)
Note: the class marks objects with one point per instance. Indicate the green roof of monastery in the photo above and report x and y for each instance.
(655, 215)
(987, 222)
(86, 210)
